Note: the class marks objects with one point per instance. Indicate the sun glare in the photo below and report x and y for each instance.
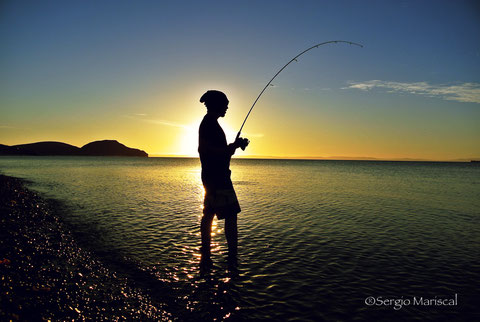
(229, 133)
(188, 141)
(188, 144)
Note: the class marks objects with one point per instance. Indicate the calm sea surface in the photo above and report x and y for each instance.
(316, 238)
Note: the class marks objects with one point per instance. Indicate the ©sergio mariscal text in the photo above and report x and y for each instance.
(399, 303)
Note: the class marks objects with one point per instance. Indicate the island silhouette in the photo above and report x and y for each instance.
(51, 148)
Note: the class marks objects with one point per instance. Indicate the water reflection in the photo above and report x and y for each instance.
(310, 250)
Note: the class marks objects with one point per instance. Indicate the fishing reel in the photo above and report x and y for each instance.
(242, 143)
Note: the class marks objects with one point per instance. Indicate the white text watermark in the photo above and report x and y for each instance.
(397, 303)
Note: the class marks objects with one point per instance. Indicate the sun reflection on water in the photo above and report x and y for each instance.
(214, 226)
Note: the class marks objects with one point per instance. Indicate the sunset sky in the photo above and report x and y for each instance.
(79, 71)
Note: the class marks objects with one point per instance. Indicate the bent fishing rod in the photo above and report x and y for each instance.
(292, 60)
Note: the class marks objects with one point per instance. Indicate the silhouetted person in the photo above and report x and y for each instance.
(220, 197)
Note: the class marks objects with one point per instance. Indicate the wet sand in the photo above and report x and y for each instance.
(46, 275)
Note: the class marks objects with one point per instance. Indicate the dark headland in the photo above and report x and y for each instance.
(97, 148)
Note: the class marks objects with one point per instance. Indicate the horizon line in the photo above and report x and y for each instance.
(301, 157)
(334, 158)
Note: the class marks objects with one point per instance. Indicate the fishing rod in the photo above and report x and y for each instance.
(292, 60)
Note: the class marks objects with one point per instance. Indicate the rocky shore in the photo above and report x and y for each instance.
(46, 275)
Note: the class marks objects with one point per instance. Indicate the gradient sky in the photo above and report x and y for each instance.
(79, 71)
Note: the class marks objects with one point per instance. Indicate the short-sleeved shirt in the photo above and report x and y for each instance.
(214, 154)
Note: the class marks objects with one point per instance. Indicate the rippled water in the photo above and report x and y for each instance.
(316, 238)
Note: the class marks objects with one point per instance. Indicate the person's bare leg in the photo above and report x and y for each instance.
(231, 234)
(206, 230)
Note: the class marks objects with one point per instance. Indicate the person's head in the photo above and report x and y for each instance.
(216, 102)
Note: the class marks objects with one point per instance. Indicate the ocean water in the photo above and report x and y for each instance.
(317, 239)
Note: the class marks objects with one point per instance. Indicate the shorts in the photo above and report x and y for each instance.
(221, 202)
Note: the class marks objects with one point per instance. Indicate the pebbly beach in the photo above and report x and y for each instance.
(46, 275)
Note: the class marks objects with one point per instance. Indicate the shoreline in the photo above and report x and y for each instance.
(46, 275)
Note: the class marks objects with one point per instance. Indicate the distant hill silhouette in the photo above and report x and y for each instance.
(97, 148)
(47, 148)
(111, 147)
(9, 150)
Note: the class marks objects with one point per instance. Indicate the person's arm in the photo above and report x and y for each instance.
(206, 147)
(210, 142)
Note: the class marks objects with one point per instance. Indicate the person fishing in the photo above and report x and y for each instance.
(215, 155)
(220, 197)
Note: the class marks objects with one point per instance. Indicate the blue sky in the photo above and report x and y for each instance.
(80, 71)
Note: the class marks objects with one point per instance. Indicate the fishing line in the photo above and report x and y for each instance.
(292, 60)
